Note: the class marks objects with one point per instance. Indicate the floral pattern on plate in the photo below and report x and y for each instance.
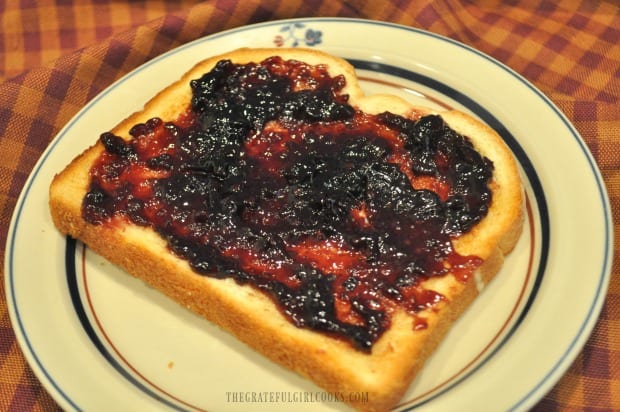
(290, 35)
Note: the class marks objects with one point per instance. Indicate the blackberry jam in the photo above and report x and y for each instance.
(272, 178)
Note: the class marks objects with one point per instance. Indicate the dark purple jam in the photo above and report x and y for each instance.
(273, 179)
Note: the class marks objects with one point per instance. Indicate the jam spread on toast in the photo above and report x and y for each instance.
(272, 178)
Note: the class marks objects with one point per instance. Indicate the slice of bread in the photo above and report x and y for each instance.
(385, 372)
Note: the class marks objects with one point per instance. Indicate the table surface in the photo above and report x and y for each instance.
(569, 49)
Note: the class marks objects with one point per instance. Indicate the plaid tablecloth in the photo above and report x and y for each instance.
(56, 55)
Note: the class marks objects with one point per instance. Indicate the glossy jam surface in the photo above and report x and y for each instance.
(273, 179)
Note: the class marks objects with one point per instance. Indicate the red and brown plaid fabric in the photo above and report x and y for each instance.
(57, 55)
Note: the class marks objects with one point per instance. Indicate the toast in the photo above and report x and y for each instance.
(381, 361)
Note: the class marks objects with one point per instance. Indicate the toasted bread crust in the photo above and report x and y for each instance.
(250, 315)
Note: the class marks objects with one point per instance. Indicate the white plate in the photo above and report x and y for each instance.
(100, 340)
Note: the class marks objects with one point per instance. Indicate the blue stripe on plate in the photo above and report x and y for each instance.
(18, 319)
(74, 291)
